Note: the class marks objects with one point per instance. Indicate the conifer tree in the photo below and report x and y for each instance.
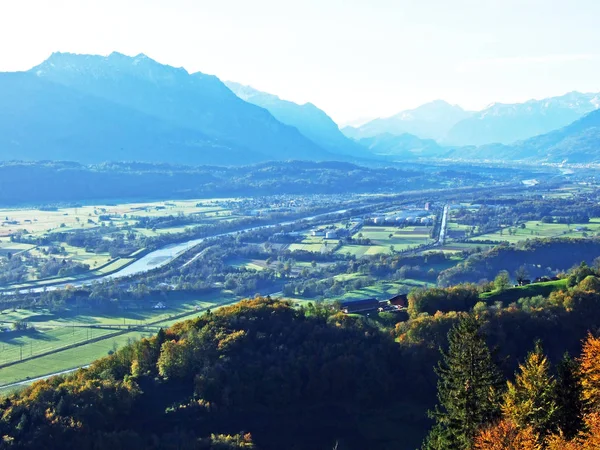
(569, 397)
(469, 386)
(530, 400)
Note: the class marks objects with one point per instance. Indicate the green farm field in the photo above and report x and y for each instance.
(16, 345)
(65, 360)
(252, 264)
(315, 244)
(14, 248)
(381, 240)
(537, 229)
(384, 237)
(36, 221)
(54, 331)
(383, 290)
(130, 316)
(457, 226)
(355, 250)
(457, 230)
(398, 237)
(307, 247)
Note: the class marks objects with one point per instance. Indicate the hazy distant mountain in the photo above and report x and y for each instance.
(95, 108)
(312, 122)
(405, 146)
(506, 123)
(355, 123)
(575, 143)
(578, 142)
(41, 120)
(429, 121)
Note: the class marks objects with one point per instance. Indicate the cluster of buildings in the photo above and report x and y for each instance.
(331, 232)
(411, 215)
(396, 303)
(525, 282)
(397, 220)
(263, 205)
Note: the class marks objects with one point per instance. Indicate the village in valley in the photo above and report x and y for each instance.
(163, 261)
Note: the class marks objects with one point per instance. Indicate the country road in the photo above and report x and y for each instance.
(443, 226)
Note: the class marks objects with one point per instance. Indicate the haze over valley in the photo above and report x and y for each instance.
(205, 245)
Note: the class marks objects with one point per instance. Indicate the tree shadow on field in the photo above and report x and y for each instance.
(13, 337)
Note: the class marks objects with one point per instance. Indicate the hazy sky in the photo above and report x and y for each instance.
(352, 58)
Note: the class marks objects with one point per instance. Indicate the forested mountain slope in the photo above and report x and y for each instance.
(267, 374)
(72, 182)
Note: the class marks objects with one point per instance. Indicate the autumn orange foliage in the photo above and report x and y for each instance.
(515, 431)
(505, 435)
(589, 364)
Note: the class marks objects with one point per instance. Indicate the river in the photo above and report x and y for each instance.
(165, 255)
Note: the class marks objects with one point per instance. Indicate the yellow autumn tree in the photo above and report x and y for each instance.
(530, 400)
(589, 366)
(590, 438)
(506, 435)
(559, 442)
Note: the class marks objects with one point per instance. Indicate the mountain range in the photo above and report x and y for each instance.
(578, 142)
(508, 123)
(91, 109)
(429, 121)
(498, 123)
(42, 120)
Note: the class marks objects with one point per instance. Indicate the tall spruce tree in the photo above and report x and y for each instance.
(569, 397)
(469, 388)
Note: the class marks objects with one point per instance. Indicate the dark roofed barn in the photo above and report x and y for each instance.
(400, 300)
(356, 306)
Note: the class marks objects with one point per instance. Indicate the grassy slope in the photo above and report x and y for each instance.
(531, 290)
